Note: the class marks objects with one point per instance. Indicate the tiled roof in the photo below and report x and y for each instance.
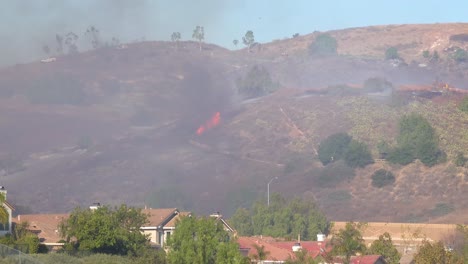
(367, 259)
(45, 225)
(157, 217)
(275, 252)
(313, 247)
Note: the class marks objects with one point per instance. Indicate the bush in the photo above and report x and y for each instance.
(323, 45)
(391, 53)
(441, 209)
(333, 147)
(417, 140)
(463, 106)
(382, 178)
(460, 159)
(426, 54)
(358, 155)
(460, 55)
(335, 173)
(256, 83)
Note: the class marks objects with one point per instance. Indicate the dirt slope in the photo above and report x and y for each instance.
(131, 136)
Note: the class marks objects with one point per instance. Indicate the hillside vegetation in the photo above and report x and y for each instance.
(195, 126)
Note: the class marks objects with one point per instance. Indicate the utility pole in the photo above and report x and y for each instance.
(268, 190)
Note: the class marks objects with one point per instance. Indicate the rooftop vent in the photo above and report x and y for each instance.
(296, 247)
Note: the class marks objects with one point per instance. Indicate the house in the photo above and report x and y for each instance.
(228, 228)
(161, 224)
(275, 254)
(6, 228)
(45, 226)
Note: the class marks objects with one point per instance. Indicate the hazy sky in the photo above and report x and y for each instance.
(27, 25)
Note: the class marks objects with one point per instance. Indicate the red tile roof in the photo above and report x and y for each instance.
(313, 247)
(275, 252)
(367, 259)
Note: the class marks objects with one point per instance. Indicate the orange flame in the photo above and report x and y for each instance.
(212, 122)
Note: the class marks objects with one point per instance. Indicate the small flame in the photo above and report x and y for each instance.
(212, 122)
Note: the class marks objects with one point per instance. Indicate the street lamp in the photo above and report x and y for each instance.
(268, 190)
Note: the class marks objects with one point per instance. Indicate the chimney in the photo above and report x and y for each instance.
(320, 237)
(296, 247)
(95, 206)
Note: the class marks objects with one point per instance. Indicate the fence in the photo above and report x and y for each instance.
(10, 255)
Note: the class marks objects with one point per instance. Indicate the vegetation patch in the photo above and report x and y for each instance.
(334, 173)
(382, 178)
(56, 89)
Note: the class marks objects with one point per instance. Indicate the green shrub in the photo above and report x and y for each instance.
(401, 155)
(441, 209)
(391, 53)
(463, 106)
(333, 147)
(460, 159)
(416, 140)
(382, 178)
(323, 45)
(335, 173)
(426, 54)
(358, 155)
(256, 83)
(460, 55)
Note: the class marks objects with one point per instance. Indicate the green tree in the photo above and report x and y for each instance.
(302, 257)
(243, 222)
(175, 37)
(460, 55)
(106, 230)
(202, 240)
(256, 83)
(235, 42)
(199, 34)
(248, 39)
(94, 35)
(391, 53)
(460, 159)
(385, 247)
(4, 216)
(261, 254)
(382, 177)
(435, 56)
(324, 45)
(426, 54)
(417, 140)
(333, 147)
(357, 155)
(348, 242)
(377, 85)
(435, 253)
(282, 218)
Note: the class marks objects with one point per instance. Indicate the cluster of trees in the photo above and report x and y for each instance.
(324, 45)
(342, 146)
(257, 82)
(431, 57)
(417, 140)
(203, 240)
(281, 218)
(382, 178)
(348, 242)
(392, 53)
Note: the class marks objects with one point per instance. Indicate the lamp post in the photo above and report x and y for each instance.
(268, 190)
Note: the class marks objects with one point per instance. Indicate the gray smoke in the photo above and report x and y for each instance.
(28, 25)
